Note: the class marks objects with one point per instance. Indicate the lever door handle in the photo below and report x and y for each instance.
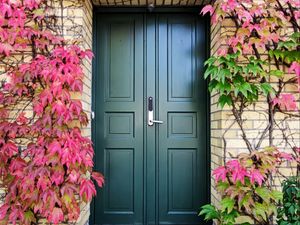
(157, 121)
(151, 121)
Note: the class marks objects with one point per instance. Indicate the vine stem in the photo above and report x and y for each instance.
(237, 115)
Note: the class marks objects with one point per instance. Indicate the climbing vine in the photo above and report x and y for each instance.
(45, 161)
(258, 62)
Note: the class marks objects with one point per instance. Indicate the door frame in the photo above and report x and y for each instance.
(144, 10)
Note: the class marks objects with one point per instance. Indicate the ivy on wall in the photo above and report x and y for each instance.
(258, 61)
(46, 164)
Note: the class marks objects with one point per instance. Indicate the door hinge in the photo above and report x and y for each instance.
(93, 115)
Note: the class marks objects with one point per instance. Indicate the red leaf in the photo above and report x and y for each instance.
(46, 97)
(22, 119)
(286, 156)
(10, 149)
(207, 9)
(3, 211)
(15, 215)
(58, 107)
(220, 173)
(256, 176)
(73, 176)
(88, 53)
(43, 183)
(54, 148)
(87, 190)
(5, 49)
(77, 85)
(16, 167)
(56, 216)
(286, 102)
(99, 178)
(76, 107)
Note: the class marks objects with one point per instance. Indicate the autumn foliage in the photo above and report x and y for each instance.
(258, 62)
(45, 161)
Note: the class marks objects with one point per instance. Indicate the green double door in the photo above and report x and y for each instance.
(154, 174)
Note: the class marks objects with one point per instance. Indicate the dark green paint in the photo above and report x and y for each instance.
(154, 175)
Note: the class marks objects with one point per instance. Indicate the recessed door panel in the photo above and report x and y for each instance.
(118, 165)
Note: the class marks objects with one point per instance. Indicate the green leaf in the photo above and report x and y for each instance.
(295, 35)
(210, 71)
(260, 210)
(245, 88)
(278, 54)
(39, 12)
(264, 193)
(210, 212)
(229, 218)
(222, 186)
(212, 85)
(271, 53)
(238, 79)
(224, 87)
(210, 61)
(266, 88)
(292, 210)
(283, 223)
(29, 217)
(277, 195)
(244, 202)
(276, 73)
(227, 204)
(225, 99)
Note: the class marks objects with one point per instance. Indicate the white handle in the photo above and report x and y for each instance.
(151, 121)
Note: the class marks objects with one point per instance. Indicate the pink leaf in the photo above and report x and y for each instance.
(54, 148)
(220, 173)
(16, 167)
(286, 156)
(77, 85)
(5, 49)
(295, 67)
(87, 190)
(10, 149)
(237, 171)
(38, 108)
(56, 216)
(239, 174)
(58, 107)
(286, 102)
(233, 164)
(22, 119)
(88, 53)
(207, 9)
(43, 183)
(46, 97)
(256, 176)
(73, 176)
(76, 107)
(98, 177)
(3, 211)
(15, 215)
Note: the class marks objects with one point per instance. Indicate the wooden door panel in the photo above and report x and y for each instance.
(119, 119)
(182, 139)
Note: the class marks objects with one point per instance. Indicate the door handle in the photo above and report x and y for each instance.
(151, 121)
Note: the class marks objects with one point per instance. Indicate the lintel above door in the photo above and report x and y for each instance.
(158, 3)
